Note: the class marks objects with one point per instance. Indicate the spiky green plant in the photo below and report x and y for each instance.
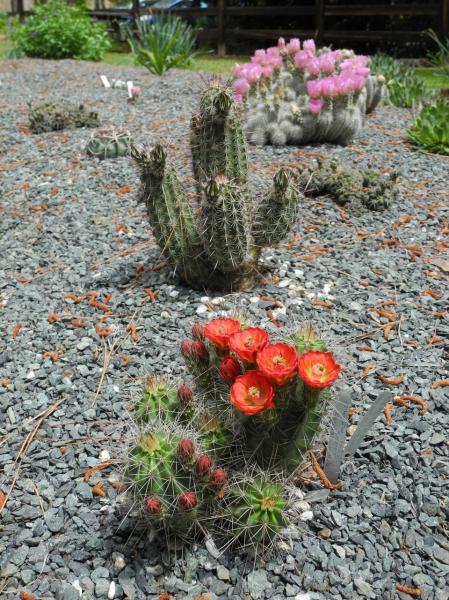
(350, 185)
(430, 128)
(217, 243)
(109, 143)
(58, 115)
(158, 396)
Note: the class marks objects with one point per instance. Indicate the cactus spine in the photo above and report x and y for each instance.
(219, 245)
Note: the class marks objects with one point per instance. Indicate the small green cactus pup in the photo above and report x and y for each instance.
(159, 397)
(174, 482)
(216, 242)
(109, 143)
(296, 95)
(350, 185)
(257, 511)
(58, 115)
(307, 339)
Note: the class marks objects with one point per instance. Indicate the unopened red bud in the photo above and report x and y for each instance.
(188, 501)
(218, 478)
(203, 464)
(185, 449)
(185, 394)
(198, 332)
(154, 505)
(186, 348)
(229, 369)
(199, 353)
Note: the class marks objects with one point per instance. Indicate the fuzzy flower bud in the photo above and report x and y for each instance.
(293, 46)
(184, 394)
(188, 501)
(186, 348)
(218, 478)
(198, 332)
(203, 464)
(199, 353)
(229, 369)
(185, 448)
(309, 46)
(154, 505)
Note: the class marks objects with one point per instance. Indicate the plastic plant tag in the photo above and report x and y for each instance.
(130, 87)
(105, 81)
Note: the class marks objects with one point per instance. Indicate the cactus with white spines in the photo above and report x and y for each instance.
(295, 94)
(217, 242)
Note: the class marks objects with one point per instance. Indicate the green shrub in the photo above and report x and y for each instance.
(3, 22)
(162, 45)
(439, 58)
(430, 127)
(404, 88)
(57, 30)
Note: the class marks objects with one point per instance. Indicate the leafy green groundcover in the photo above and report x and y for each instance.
(430, 128)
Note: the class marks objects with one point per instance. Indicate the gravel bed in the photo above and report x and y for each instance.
(71, 224)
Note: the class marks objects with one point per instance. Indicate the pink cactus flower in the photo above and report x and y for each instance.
(236, 70)
(315, 105)
(309, 46)
(273, 51)
(241, 86)
(293, 46)
(301, 59)
(281, 43)
(253, 73)
(328, 87)
(135, 91)
(314, 88)
(327, 63)
(313, 66)
(267, 71)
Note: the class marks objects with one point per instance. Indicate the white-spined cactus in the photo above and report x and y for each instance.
(295, 95)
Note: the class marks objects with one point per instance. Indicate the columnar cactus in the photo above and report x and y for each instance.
(109, 143)
(295, 95)
(350, 185)
(218, 243)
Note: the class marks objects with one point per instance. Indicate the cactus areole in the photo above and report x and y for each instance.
(216, 241)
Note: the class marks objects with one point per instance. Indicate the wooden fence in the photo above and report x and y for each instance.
(317, 13)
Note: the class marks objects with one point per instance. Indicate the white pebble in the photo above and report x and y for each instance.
(116, 388)
(104, 456)
(78, 588)
(284, 283)
(201, 310)
(31, 375)
(254, 299)
(174, 294)
(218, 300)
(299, 273)
(111, 591)
(302, 597)
(165, 314)
(119, 563)
(205, 299)
(306, 516)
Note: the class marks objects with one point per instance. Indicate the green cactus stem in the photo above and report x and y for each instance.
(58, 115)
(211, 243)
(158, 398)
(109, 143)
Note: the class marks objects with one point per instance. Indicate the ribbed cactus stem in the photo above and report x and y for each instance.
(216, 138)
(226, 230)
(277, 211)
(169, 212)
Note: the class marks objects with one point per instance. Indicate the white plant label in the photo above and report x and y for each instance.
(130, 87)
(105, 81)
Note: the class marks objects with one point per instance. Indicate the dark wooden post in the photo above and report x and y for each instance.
(445, 18)
(17, 9)
(135, 11)
(221, 41)
(319, 21)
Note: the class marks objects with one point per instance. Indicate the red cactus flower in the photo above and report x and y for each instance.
(278, 362)
(247, 343)
(198, 332)
(185, 448)
(185, 394)
(218, 331)
(188, 501)
(229, 369)
(199, 353)
(218, 478)
(154, 505)
(318, 369)
(252, 392)
(203, 464)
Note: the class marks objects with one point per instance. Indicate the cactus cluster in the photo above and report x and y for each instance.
(215, 242)
(294, 94)
(216, 453)
(109, 143)
(58, 115)
(350, 185)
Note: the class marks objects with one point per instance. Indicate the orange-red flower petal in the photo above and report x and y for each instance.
(248, 342)
(252, 393)
(218, 331)
(278, 362)
(318, 369)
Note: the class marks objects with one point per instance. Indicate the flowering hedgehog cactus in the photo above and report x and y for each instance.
(295, 94)
(217, 242)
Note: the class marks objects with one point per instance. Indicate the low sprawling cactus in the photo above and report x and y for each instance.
(217, 243)
(109, 143)
(58, 115)
(350, 185)
(294, 95)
